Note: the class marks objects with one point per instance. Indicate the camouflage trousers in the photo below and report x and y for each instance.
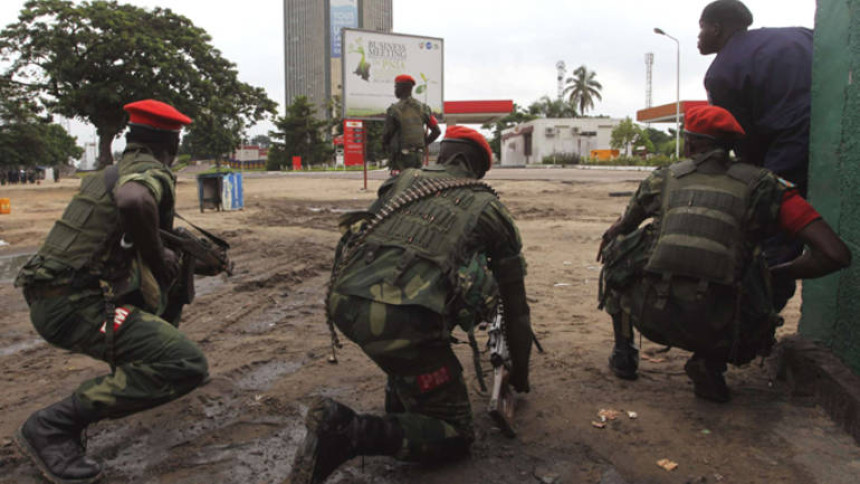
(155, 362)
(427, 394)
(401, 161)
(712, 323)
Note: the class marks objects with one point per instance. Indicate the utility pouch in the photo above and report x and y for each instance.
(624, 258)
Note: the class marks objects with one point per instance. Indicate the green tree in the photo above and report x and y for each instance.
(547, 107)
(582, 89)
(657, 136)
(261, 140)
(374, 151)
(86, 60)
(26, 138)
(299, 133)
(517, 116)
(625, 135)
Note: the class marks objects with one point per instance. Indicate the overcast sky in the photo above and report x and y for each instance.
(498, 49)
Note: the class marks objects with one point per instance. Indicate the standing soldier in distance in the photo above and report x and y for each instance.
(97, 285)
(404, 133)
(695, 277)
(433, 252)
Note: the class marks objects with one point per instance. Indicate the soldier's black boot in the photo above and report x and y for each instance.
(708, 380)
(335, 435)
(51, 438)
(624, 361)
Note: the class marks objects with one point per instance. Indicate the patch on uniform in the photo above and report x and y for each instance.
(786, 183)
(435, 379)
(118, 318)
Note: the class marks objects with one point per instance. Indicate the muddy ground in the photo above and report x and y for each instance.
(264, 334)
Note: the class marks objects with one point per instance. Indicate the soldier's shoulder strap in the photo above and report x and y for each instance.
(683, 168)
(111, 177)
(746, 173)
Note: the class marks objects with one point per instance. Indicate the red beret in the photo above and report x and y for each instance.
(711, 121)
(404, 79)
(463, 133)
(156, 114)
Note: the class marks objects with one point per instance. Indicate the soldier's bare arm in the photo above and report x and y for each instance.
(433, 126)
(826, 253)
(139, 218)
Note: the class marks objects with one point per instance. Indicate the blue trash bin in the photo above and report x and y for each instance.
(220, 191)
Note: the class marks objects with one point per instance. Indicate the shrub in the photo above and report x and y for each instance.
(562, 159)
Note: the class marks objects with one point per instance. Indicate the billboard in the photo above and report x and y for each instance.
(344, 14)
(371, 61)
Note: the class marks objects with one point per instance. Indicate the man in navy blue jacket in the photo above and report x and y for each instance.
(763, 77)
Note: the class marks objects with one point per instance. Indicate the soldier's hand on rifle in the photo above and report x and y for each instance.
(170, 269)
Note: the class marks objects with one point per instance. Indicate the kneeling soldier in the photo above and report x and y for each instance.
(98, 285)
(695, 276)
(405, 275)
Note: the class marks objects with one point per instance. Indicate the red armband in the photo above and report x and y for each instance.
(433, 123)
(795, 213)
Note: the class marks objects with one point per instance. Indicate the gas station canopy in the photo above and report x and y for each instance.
(665, 113)
(476, 112)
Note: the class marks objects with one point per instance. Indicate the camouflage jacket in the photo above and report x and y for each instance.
(417, 256)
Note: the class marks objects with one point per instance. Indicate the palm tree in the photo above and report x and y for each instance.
(583, 89)
(552, 108)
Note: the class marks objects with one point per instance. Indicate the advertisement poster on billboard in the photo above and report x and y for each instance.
(344, 14)
(371, 61)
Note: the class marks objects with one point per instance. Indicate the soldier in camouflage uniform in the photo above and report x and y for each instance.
(695, 276)
(404, 133)
(97, 285)
(431, 253)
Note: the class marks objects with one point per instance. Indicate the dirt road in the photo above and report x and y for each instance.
(267, 345)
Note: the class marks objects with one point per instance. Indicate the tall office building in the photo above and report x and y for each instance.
(312, 47)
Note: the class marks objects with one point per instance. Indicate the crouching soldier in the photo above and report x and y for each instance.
(695, 276)
(397, 291)
(98, 285)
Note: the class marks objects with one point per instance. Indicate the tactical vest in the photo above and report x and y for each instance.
(434, 228)
(702, 226)
(86, 237)
(410, 114)
(412, 254)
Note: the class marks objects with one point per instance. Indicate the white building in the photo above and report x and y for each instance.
(89, 159)
(529, 143)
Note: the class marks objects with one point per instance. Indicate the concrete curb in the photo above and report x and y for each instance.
(812, 370)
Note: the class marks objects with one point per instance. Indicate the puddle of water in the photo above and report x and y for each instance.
(204, 285)
(333, 210)
(263, 376)
(19, 346)
(10, 265)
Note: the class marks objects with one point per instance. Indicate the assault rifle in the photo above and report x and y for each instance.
(197, 255)
(209, 258)
(501, 407)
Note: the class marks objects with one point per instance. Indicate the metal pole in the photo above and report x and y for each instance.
(659, 31)
(677, 98)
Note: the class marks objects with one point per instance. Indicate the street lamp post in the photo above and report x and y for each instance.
(659, 31)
